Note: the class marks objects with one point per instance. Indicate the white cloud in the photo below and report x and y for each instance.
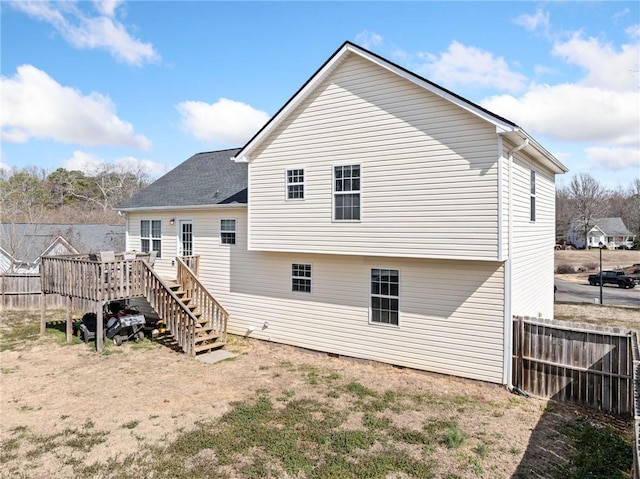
(605, 66)
(368, 40)
(465, 65)
(85, 162)
(87, 31)
(91, 164)
(225, 122)
(540, 20)
(34, 105)
(570, 112)
(633, 31)
(613, 158)
(107, 7)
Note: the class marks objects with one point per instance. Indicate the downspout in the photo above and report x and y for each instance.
(508, 274)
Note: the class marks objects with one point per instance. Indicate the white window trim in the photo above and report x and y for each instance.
(287, 184)
(151, 238)
(334, 193)
(533, 195)
(235, 231)
(310, 278)
(370, 295)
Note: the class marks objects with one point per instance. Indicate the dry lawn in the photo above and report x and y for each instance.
(589, 260)
(142, 410)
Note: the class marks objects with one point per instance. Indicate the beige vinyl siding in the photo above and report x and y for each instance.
(429, 172)
(533, 242)
(169, 245)
(440, 330)
(451, 312)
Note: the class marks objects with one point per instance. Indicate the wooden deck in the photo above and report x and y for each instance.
(195, 320)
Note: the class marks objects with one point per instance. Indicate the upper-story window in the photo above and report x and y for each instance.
(151, 236)
(228, 231)
(295, 184)
(533, 196)
(346, 192)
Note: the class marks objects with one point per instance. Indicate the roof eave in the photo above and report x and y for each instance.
(535, 149)
(184, 207)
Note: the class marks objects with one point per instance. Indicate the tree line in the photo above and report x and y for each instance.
(31, 195)
(585, 198)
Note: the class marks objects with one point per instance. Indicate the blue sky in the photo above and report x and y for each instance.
(147, 84)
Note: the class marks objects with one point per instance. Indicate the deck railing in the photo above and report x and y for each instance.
(77, 276)
(213, 313)
(80, 277)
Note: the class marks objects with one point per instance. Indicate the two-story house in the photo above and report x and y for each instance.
(377, 215)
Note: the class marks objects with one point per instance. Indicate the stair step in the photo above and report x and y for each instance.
(208, 347)
(207, 336)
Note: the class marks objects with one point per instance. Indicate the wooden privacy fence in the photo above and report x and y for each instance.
(581, 364)
(23, 291)
(635, 348)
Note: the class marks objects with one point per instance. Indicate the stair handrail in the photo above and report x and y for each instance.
(214, 313)
(183, 333)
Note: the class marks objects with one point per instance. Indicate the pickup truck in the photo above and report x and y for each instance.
(614, 277)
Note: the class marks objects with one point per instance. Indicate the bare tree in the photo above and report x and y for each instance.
(633, 202)
(563, 212)
(587, 201)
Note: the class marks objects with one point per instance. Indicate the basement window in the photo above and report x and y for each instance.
(301, 278)
(385, 296)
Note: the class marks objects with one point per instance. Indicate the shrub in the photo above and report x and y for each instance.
(565, 269)
(591, 266)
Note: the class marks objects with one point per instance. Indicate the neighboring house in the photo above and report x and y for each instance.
(608, 232)
(23, 244)
(376, 215)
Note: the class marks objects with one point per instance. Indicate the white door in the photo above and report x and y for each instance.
(185, 240)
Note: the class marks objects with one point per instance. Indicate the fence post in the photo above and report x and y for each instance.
(69, 318)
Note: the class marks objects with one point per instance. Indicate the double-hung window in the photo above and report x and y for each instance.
(346, 193)
(295, 184)
(151, 236)
(385, 297)
(301, 277)
(227, 231)
(532, 216)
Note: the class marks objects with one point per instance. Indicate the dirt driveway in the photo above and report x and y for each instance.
(70, 412)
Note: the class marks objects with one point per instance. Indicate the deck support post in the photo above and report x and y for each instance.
(69, 318)
(43, 312)
(99, 327)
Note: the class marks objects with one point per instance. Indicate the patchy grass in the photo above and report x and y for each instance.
(19, 328)
(292, 415)
(600, 453)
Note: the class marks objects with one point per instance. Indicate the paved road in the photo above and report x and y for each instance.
(585, 293)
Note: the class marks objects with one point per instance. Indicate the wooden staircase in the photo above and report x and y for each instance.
(207, 337)
(192, 319)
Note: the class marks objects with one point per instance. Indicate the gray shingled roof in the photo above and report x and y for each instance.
(611, 226)
(211, 178)
(25, 242)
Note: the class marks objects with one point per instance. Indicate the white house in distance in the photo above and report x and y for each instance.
(376, 215)
(609, 232)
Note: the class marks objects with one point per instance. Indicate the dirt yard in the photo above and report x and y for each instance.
(142, 410)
